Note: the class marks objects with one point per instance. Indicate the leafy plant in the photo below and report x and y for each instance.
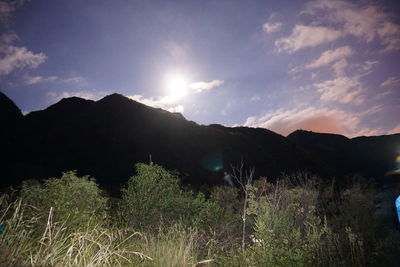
(76, 201)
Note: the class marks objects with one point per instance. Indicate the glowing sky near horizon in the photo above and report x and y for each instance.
(326, 66)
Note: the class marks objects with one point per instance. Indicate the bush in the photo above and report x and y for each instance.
(76, 201)
(287, 231)
(154, 197)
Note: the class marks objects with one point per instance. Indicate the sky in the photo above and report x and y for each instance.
(324, 66)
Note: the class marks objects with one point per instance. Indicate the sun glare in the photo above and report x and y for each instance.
(176, 85)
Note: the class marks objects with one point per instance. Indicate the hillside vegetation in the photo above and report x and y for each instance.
(297, 221)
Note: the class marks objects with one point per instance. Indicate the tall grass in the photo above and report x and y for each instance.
(293, 222)
(27, 242)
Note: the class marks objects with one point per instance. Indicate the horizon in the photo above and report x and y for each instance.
(233, 126)
(321, 66)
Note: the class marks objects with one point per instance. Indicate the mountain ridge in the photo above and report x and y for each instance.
(105, 138)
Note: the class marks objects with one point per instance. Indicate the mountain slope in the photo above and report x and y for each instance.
(106, 138)
(372, 156)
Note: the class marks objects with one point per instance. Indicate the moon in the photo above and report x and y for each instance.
(176, 84)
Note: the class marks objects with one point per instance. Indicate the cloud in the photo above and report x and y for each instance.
(170, 102)
(73, 79)
(339, 67)
(336, 58)
(165, 102)
(255, 98)
(330, 56)
(390, 81)
(39, 79)
(199, 87)
(271, 27)
(286, 121)
(178, 109)
(395, 130)
(18, 58)
(368, 23)
(13, 57)
(30, 80)
(366, 68)
(86, 94)
(151, 101)
(8, 37)
(341, 89)
(390, 36)
(306, 36)
(7, 8)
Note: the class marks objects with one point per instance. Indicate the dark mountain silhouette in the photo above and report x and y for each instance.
(10, 114)
(106, 138)
(373, 156)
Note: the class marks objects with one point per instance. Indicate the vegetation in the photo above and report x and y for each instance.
(69, 221)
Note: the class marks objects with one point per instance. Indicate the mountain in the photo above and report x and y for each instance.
(10, 119)
(9, 112)
(373, 156)
(106, 138)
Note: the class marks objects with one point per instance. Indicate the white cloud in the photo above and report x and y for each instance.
(169, 102)
(286, 121)
(39, 79)
(199, 87)
(271, 27)
(341, 89)
(366, 68)
(18, 58)
(339, 67)
(86, 94)
(179, 109)
(255, 98)
(12, 57)
(336, 58)
(391, 81)
(368, 23)
(165, 102)
(30, 80)
(73, 79)
(306, 36)
(152, 101)
(330, 56)
(390, 35)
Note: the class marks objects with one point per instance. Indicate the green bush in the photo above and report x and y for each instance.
(76, 201)
(153, 197)
(287, 231)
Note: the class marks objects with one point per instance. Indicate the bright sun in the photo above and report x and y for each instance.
(176, 85)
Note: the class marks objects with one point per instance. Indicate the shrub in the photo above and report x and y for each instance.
(153, 197)
(286, 228)
(76, 201)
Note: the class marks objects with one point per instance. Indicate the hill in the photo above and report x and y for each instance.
(105, 138)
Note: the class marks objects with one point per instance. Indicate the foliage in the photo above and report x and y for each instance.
(293, 222)
(287, 231)
(154, 198)
(76, 201)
